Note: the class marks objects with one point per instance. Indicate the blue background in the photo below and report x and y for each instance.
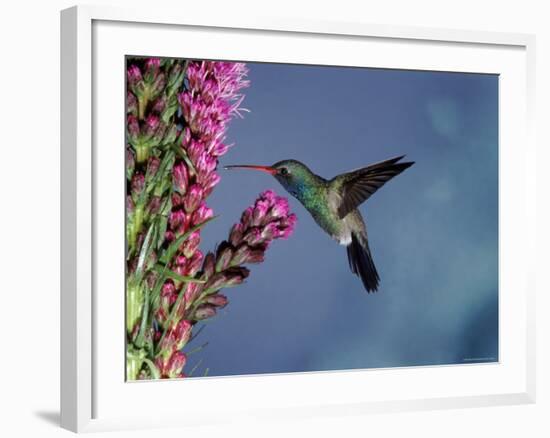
(433, 230)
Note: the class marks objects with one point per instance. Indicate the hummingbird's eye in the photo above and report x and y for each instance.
(283, 171)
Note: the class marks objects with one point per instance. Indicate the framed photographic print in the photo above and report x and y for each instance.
(291, 218)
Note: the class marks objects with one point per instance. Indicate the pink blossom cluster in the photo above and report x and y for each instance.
(210, 99)
(268, 219)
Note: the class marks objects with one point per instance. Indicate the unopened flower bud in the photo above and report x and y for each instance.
(224, 255)
(131, 104)
(181, 260)
(245, 254)
(158, 85)
(255, 256)
(135, 80)
(175, 75)
(235, 275)
(209, 265)
(216, 282)
(161, 315)
(177, 200)
(246, 217)
(160, 105)
(236, 234)
(152, 66)
(192, 291)
(132, 126)
(174, 368)
(194, 264)
(217, 300)
(130, 206)
(191, 244)
(152, 123)
(253, 236)
(178, 221)
(153, 206)
(168, 294)
(130, 163)
(204, 311)
(137, 185)
(152, 167)
(182, 333)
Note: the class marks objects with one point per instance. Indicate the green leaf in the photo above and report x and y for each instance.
(183, 155)
(175, 276)
(172, 249)
(144, 320)
(196, 349)
(155, 373)
(195, 367)
(163, 224)
(146, 249)
(165, 167)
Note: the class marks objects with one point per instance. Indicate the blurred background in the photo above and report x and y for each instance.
(433, 230)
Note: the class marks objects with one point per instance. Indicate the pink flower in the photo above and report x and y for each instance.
(201, 214)
(134, 75)
(178, 221)
(194, 150)
(152, 123)
(152, 66)
(210, 182)
(180, 178)
(193, 198)
(260, 211)
(168, 294)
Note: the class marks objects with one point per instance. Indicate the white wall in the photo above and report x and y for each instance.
(29, 218)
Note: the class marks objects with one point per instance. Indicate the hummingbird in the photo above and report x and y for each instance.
(334, 203)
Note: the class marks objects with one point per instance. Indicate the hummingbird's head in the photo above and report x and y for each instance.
(291, 174)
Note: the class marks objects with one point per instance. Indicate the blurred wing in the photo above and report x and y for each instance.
(358, 186)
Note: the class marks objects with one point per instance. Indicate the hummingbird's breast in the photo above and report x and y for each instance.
(323, 206)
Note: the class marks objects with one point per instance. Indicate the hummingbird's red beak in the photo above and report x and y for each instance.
(266, 169)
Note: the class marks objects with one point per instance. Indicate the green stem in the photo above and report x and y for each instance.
(134, 362)
(135, 227)
(140, 339)
(134, 305)
(142, 153)
(143, 100)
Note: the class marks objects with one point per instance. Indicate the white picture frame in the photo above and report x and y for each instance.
(93, 397)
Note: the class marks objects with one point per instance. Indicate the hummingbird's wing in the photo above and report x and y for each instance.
(357, 186)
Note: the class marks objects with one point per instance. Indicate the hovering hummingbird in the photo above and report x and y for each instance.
(334, 204)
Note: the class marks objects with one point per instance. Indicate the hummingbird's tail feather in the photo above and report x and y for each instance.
(361, 263)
